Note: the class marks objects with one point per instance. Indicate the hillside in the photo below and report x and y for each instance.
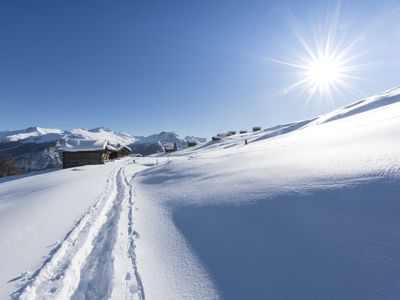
(306, 210)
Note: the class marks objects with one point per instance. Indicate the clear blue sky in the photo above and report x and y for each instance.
(194, 67)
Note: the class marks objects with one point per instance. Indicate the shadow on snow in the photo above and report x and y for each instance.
(340, 243)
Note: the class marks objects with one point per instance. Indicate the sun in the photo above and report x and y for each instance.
(324, 63)
(324, 72)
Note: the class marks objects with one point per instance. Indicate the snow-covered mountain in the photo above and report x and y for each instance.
(102, 133)
(197, 139)
(156, 142)
(35, 148)
(40, 135)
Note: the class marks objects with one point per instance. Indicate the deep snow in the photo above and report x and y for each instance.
(306, 210)
(309, 214)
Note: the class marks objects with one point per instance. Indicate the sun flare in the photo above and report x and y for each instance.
(324, 63)
(324, 72)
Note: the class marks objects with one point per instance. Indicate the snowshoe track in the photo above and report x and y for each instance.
(96, 259)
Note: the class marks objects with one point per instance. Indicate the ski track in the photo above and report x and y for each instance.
(96, 259)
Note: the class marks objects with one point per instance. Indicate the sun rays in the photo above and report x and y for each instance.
(325, 63)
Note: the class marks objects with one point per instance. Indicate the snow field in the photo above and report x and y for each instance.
(97, 257)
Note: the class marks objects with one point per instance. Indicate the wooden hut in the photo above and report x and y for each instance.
(216, 138)
(124, 151)
(232, 132)
(222, 135)
(243, 131)
(112, 152)
(191, 143)
(170, 147)
(82, 152)
(256, 128)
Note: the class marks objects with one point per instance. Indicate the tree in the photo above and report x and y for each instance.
(8, 167)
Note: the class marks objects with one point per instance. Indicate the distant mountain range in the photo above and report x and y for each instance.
(35, 148)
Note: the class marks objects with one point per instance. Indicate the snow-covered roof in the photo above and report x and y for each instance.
(77, 145)
(111, 148)
(125, 147)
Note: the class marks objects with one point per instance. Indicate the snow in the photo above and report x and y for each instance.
(42, 135)
(378, 101)
(37, 211)
(305, 210)
(77, 213)
(311, 213)
(31, 134)
(102, 133)
(76, 145)
(124, 147)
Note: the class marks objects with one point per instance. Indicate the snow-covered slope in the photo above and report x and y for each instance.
(309, 214)
(306, 210)
(376, 102)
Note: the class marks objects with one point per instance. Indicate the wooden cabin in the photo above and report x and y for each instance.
(232, 132)
(216, 138)
(170, 147)
(256, 128)
(191, 143)
(124, 151)
(112, 152)
(82, 152)
(222, 135)
(243, 131)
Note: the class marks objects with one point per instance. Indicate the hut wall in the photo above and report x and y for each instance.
(75, 159)
(216, 138)
(113, 155)
(123, 152)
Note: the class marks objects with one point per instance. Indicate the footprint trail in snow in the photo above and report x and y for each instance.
(96, 260)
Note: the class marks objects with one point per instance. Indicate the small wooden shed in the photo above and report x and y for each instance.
(191, 143)
(112, 152)
(222, 134)
(82, 152)
(170, 147)
(124, 151)
(216, 138)
(256, 128)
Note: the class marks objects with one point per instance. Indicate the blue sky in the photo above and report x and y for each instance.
(194, 67)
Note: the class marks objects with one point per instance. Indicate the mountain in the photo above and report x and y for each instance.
(197, 139)
(35, 148)
(102, 133)
(156, 142)
(31, 135)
